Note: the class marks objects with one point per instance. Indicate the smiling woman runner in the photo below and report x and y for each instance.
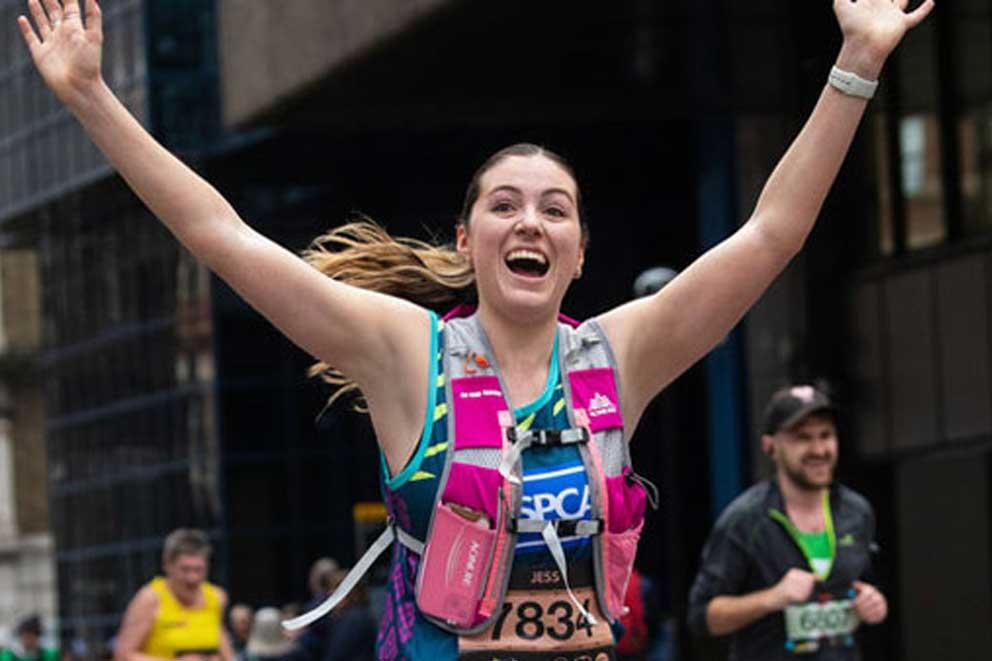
(527, 418)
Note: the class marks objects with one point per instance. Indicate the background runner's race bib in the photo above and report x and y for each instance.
(812, 621)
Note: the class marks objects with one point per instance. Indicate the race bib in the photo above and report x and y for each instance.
(830, 620)
(542, 624)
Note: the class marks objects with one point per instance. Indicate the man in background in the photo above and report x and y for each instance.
(783, 571)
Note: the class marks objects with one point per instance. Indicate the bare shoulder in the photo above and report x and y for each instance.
(146, 599)
(221, 595)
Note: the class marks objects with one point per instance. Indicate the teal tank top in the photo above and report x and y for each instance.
(555, 486)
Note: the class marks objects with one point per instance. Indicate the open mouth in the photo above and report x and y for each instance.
(527, 263)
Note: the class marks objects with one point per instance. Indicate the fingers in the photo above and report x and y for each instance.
(869, 604)
(94, 17)
(40, 19)
(30, 38)
(70, 10)
(54, 10)
(916, 16)
(871, 609)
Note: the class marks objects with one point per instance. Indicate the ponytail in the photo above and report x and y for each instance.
(363, 254)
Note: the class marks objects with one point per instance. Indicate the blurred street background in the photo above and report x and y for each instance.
(138, 394)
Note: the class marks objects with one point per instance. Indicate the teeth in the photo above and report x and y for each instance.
(527, 254)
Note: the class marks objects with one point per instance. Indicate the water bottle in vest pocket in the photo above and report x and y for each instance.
(627, 501)
(455, 564)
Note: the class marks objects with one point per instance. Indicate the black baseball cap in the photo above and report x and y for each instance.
(791, 405)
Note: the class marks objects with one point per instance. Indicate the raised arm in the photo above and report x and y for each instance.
(379, 341)
(659, 337)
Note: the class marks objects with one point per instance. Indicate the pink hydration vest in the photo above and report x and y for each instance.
(468, 555)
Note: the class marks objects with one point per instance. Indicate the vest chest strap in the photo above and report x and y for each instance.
(564, 527)
(547, 437)
(521, 440)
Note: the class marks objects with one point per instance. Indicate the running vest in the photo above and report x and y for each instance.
(179, 629)
(466, 560)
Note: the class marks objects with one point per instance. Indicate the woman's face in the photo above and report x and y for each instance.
(524, 236)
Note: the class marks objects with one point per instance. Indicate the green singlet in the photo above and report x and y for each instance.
(816, 547)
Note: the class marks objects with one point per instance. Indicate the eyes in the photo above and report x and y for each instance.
(806, 438)
(553, 210)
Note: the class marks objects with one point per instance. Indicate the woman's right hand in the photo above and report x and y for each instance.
(65, 51)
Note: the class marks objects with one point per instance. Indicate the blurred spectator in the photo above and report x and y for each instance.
(180, 615)
(26, 645)
(74, 651)
(352, 627)
(239, 621)
(291, 610)
(312, 642)
(321, 575)
(268, 642)
(642, 621)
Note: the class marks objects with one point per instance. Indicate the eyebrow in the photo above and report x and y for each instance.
(545, 193)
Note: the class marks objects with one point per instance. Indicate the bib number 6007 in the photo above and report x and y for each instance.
(532, 621)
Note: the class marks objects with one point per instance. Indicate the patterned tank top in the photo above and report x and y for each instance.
(555, 486)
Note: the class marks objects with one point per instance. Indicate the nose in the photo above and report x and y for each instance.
(821, 446)
(528, 223)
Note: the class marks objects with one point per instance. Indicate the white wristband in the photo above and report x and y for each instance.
(852, 84)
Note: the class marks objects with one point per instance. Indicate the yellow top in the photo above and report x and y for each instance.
(178, 629)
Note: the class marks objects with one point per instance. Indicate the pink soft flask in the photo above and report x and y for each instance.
(453, 572)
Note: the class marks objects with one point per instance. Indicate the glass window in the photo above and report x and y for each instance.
(922, 187)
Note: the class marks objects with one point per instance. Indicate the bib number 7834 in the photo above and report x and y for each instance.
(530, 620)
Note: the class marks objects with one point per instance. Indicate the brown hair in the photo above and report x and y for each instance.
(431, 274)
(520, 149)
(364, 254)
(185, 541)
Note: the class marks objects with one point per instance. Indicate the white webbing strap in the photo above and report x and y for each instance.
(512, 456)
(408, 540)
(383, 542)
(550, 534)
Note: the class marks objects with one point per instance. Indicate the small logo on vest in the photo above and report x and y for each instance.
(846, 540)
(600, 404)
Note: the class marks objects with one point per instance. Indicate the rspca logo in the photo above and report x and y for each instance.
(554, 492)
(600, 404)
(569, 503)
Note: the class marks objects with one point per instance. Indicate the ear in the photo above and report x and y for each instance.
(768, 445)
(461, 240)
(582, 259)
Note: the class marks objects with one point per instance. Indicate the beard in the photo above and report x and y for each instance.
(797, 475)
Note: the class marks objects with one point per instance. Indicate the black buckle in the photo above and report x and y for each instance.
(546, 437)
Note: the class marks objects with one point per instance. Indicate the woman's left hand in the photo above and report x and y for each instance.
(872, 29)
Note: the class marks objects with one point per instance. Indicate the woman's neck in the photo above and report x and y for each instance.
(522, 351)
